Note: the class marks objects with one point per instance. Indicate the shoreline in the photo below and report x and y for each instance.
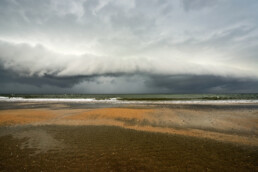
(117, 101)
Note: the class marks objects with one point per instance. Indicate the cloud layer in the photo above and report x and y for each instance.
(140, 46)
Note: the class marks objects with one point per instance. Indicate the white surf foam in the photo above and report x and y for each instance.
(116, 101)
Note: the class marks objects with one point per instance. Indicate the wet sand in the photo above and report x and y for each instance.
(86, 137)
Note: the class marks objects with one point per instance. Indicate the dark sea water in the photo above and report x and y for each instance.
(140, 97)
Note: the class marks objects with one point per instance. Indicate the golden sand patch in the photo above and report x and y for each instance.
(218, 124)
(167, 120)
(113, 113)
(25, 116)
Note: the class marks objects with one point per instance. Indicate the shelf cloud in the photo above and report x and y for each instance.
(139, 46)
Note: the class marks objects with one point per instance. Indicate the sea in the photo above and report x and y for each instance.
(133, 98)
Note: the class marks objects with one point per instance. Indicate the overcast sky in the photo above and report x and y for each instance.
(128, 46)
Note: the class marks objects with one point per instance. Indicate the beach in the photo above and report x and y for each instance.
(128, 86)
(106, 136)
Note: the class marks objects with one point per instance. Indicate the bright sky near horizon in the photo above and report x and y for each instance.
(128, 46)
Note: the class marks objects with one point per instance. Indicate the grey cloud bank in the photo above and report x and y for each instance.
(111, 46)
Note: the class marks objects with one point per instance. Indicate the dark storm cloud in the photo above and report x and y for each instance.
(202, 84)
(8, 76)
(13, 82)
(62, 82)
(127, 83)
